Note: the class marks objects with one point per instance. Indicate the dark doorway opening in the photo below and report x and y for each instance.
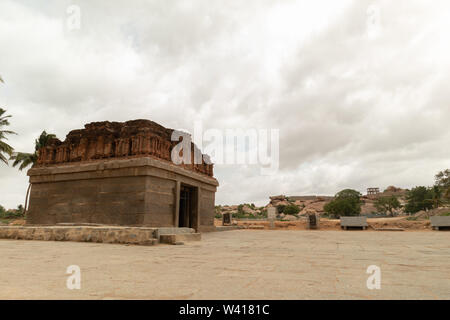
(187, 216)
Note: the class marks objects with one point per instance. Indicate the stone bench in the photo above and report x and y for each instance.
(360, 222)
(440, 222)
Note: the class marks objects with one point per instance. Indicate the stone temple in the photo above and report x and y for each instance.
(115, 173)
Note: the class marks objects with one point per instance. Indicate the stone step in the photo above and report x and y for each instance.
(179, 238)
(228, 228)
(389, 229)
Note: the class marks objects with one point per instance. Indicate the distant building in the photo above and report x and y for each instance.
(372, 191)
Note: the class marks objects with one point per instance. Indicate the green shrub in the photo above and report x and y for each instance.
(346, 203)
(387, 204)
(12, 213)
(419, 198)
(263, 213)
(291, 209)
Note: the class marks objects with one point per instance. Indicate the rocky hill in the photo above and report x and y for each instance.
(308, 204)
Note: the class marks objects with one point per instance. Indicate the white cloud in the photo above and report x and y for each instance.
(353, 111)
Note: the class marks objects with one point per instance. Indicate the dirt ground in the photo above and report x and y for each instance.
(241, 264)
(334, 224)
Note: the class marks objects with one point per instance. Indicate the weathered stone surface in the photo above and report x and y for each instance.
(104, 140)
(179, 238)
(124, 235)
(113, 173)
(440, 221)
(132, 192)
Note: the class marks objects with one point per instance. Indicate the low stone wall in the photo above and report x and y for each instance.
(123, 235)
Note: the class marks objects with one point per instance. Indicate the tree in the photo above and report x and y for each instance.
(436, 196)
(419, 198)
(349, 194)
(443, 182)
(443, 179)
(5, 149)
(24, 160)
(291, 209)
(447, 194)
(280, 208)
(387, 204)
(12, 213)
(345, 203)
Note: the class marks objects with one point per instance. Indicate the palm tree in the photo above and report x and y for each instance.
(4, 147)
(24, 160)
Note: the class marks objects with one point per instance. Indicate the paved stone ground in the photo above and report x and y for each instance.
(242, 264)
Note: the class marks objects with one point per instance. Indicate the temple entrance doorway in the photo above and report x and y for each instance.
(187, 216)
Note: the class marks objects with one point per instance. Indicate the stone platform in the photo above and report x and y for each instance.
(100, 234)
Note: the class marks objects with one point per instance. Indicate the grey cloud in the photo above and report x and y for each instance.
(352, 111)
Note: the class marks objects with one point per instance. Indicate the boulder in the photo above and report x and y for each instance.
(248, 210)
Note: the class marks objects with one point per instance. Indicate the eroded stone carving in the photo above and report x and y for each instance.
(103, 140)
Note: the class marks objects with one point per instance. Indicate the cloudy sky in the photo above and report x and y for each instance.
(358, 89)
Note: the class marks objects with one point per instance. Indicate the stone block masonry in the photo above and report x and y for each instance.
(92, 177)
(132, 192)
(104, 234)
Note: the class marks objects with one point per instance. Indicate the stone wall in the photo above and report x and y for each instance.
(138, 236)
(139, 191)
(207, 202)
(113, 200)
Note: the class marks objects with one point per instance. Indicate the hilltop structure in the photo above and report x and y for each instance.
(120, 174)
(373, 191)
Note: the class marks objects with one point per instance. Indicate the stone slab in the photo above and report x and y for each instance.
(440, 221)
(389, 229)
(354, 222)
(179, 238)
(228, 228)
